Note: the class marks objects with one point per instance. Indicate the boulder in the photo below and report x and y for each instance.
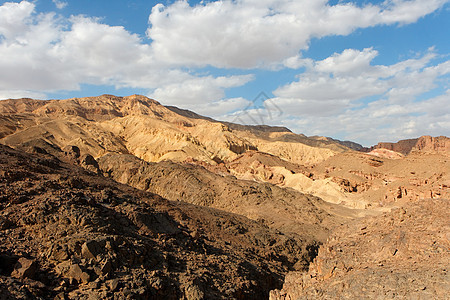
(25, 268)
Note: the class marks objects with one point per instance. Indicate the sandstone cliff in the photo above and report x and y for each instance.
(423, 144)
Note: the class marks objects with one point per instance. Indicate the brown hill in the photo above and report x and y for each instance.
(142, 127)
(382, 182)
(349, 144)
(283, 209)
(375, 181)
(70, 234)
(403, 254)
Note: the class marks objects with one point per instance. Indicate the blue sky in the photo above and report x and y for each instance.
(366, 71)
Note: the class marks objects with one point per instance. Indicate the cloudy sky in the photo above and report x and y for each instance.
(358, 70)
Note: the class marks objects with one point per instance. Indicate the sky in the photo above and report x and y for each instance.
(361, 70)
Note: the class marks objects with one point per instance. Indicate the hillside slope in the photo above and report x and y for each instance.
(140, 126)
(283, 209)
(66, 232)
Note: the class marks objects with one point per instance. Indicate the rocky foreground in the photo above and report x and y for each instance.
(404, 254)
(67, 233)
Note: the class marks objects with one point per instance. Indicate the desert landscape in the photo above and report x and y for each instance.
(124, 198)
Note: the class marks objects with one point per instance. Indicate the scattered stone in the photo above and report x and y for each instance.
(25, 268)
(72, 152)
(91, 249)
(75, 273)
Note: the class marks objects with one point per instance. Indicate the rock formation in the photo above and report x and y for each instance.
(424, 144)
(401, 254)
(286, 210)
(140, 126)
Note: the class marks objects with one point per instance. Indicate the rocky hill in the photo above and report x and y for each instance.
(140, 126)
(403, 254)
(376, 181)
(286, 210)
(68, 233)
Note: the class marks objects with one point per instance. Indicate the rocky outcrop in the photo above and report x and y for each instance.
(423, 144)
(429, 144)
(385, 153)
(376, 182)
(403, 146)
(349, 144)
(398, 255)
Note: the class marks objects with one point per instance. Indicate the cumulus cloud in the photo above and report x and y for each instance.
(14, 18)
(4, 94)
(380, 120)
(60, 4)
(336, 95)
(215, 109)
(255, 33)
(343, 95)
(45, 52)
(196, 91)
(350, 76)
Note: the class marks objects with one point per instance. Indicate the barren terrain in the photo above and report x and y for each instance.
(123, 197)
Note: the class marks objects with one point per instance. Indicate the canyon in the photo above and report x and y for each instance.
(123, 197)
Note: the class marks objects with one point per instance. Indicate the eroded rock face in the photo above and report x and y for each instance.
(423, 144)
(403, 146)
(429, 144)
(67, 233)
(401, 254)
(379, 182)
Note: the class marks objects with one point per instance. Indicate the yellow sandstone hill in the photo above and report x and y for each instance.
(140, 126)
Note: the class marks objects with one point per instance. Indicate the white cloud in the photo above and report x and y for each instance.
(379, 121)
(193, 92)
(295, 62)
(344, 76)
(216, 109)
(250, 33)
(398, 111)
(350, 61)
(60, 4)
(44, 53)
(331, 98)
(14, 18)
(20, 94)
(350, 76)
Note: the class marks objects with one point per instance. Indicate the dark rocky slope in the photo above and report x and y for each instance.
(67, 233)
